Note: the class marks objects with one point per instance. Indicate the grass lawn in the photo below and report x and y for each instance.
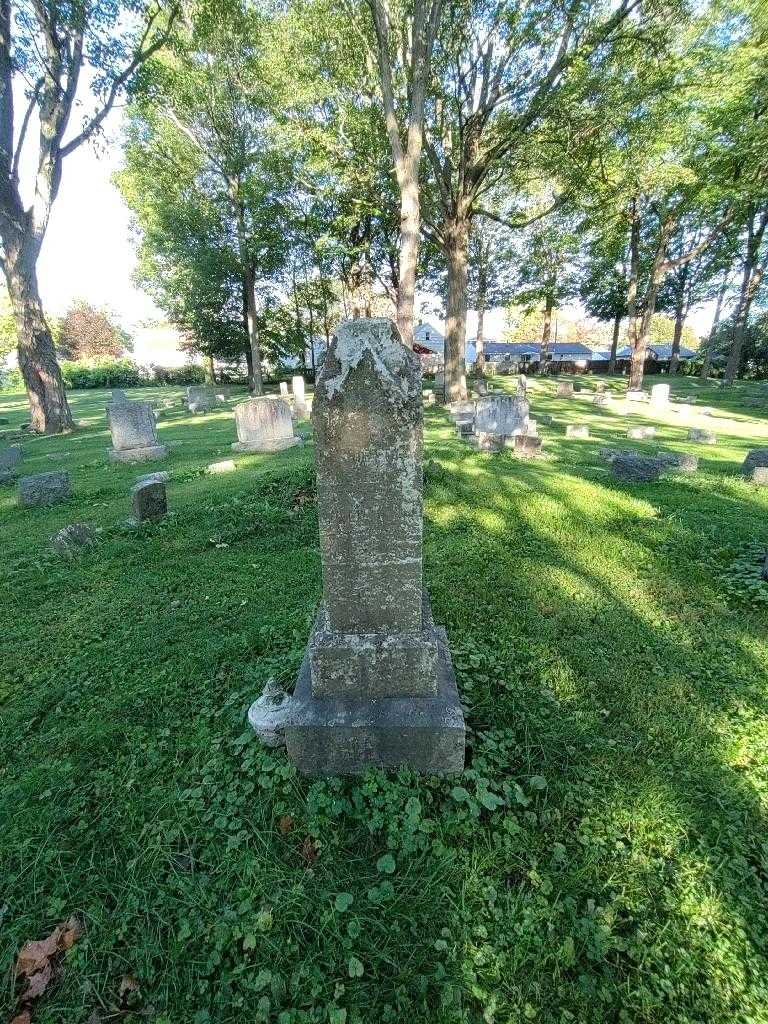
(604, 857)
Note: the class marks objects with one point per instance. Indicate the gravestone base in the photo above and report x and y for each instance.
(266, 445)
(378, 664)
(347, 735)
(153, 451)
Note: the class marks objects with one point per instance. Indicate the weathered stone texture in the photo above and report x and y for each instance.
(73, 538)
(641, 433)
(702, 436)
(10, 457)
(637, 468)
(564, 389)
(134, 434)
(44, 489)
(755, 458)
(148, 499)
(577, 430)
(660, 394)
(201, 399)
(502, 414)
(264, 424)
(368, 430)
(376, 686)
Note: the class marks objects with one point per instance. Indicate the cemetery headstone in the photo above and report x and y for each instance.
(702, 436)
(299, 397)
(264, 424)
(225, 466)
(284, 392)
(44, 489)
(73, 538)
(760, 476)
(10, 458)
(201, 399)
(641, 433)
(636, 396)
(755, 458)
(601, 399)
(525, 446)
(377, 686)
(118, 395)
(577, 430)
(660, 395)
(148, 500)
(134, 433)
(564, 389)
(636, 468)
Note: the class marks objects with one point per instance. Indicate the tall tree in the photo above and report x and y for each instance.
(505, 76)
(404, 43)
(89, 333)
(45, 45)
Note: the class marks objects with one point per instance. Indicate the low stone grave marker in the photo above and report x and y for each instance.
(134, 433)
(641, 433)
(264, 424)
(73, 538)
(44, 489)
(637, 468)
(760, 476)
(702, 436)
(577, 430)
(225, 466)
(148, 500)
(201, 399)
(564, 389)
(756, 458)
(9, 460)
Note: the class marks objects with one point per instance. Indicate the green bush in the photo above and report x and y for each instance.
(103, 373)
(11, 379)
(189, 374)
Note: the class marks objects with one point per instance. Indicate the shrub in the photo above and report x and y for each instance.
(11, 379)
(103, 373)
(189, 374)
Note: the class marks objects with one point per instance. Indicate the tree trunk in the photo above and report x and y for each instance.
(637, 355)
(211, 371)
(750, 285)
(679, 322)
(455, 247)
(706, 365)
(614, 343)
(49, 409)
(546, 332)
(410, 226)
(253, 332)
(247, 346)
(482, 298)
(657, 275)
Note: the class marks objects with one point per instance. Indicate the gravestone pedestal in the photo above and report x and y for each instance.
(376, 687)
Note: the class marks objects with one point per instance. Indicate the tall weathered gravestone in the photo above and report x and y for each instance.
(201, 398)
(377, 685)
(134, 434)
(264, 424)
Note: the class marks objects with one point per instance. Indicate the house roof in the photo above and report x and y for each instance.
(660, 352)
(429, 336)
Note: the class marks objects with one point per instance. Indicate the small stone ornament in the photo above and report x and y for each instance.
(268, 714)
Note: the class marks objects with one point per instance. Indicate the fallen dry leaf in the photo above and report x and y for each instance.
(37, 962)
(128, 984)
(309, 850)
(285, 825)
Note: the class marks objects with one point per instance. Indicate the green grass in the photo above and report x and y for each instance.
(604, 857)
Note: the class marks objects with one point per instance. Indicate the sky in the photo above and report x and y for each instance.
(89, 252)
